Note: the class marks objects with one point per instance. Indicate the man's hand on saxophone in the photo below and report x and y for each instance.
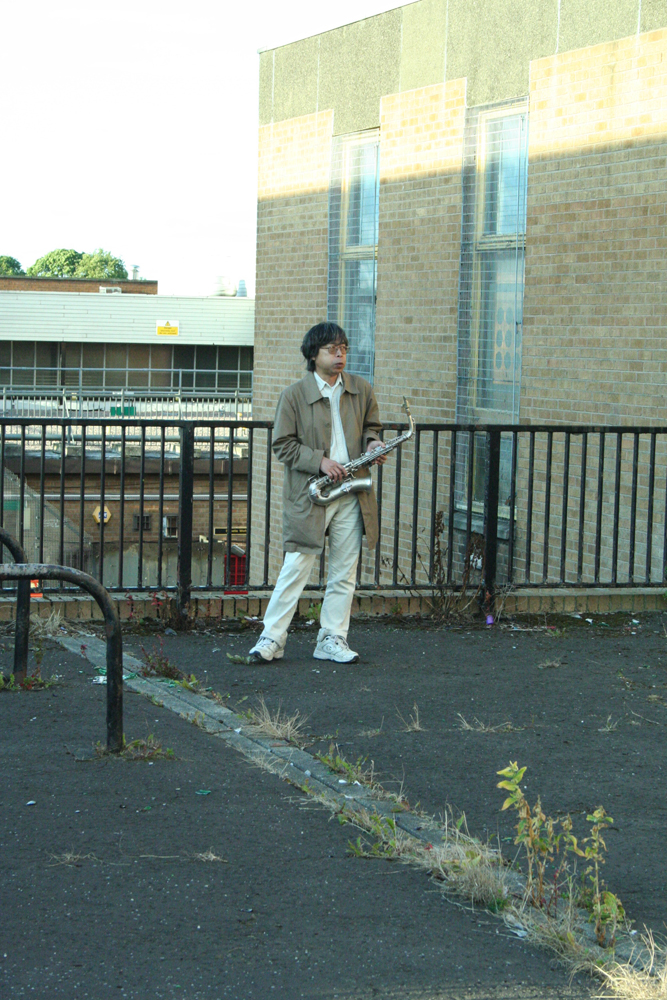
(334, 470)
(337, 472)
(372, 445)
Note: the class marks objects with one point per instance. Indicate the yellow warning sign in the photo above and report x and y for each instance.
(167, 329)
(97, 514)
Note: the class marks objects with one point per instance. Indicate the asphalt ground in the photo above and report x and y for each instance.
(102, 890)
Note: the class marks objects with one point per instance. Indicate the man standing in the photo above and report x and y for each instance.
(322, 422)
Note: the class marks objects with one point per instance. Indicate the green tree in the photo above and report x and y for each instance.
(10, 265)
(100, 264)
(56, 264)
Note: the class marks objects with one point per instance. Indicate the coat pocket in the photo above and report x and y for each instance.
(298, 484)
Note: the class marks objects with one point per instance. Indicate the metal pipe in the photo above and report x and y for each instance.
(44, 571)
(22, 624)
(186, 482)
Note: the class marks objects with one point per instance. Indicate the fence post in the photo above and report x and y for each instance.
(185, 502)
(491, 492)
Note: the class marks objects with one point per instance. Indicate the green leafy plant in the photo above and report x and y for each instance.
(352, 771)
(605, 907)
(389, 843)
(33, 682)
(140, 749)
(536, 833)
(158, 664)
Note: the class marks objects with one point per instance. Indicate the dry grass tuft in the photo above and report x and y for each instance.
(609, 726)
(209, 856)
(277, 725)
(462, 864)
(467, 867)
(413, 725)
(559, 935)
(148, 749)
(45, 628)
(481, 727)
(624, 981)
(370, 733)
(549, 664)
(70, 859)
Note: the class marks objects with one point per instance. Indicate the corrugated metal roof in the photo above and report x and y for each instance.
(80, 316)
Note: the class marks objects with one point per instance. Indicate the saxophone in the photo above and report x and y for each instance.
(323, 491)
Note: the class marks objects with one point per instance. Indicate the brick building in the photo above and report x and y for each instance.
(26, 283)
(476, 192)
(89, 351)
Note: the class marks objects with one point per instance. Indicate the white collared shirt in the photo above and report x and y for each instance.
(338, 451)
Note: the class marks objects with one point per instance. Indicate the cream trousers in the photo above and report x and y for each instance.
(345, 523)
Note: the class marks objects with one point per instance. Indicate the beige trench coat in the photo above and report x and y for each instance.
(302, 438)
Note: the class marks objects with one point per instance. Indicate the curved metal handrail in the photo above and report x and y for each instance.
(44, 571)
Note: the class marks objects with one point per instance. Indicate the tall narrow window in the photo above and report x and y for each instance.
(493, 244)
(353, 238)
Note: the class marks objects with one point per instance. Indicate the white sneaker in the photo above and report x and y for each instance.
(334, 647)
(267, 649)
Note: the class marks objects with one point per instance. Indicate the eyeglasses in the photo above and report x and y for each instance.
(335, 348)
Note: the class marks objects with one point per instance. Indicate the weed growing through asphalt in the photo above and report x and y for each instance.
(390, 842)
(461, 863)
(33, 682)
(536, 833)
(148, 749)
(413, 725)
(209, 856)
(71, 859)
(605, 907)
(481, 727)
(45, 628)
(549, 665)
(610, 726)
(354, 772)
(549, 878)
(158, 664)
(277, 724)
(626, 982)
(370, 733)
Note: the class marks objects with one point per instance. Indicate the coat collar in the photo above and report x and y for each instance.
(312, 390)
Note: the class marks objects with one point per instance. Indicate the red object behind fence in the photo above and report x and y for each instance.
(236, 574)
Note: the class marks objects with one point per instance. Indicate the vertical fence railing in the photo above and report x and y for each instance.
(189, 506)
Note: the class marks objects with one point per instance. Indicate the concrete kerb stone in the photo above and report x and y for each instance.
(287, 762)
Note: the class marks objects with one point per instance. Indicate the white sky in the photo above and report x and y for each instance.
(133, 127)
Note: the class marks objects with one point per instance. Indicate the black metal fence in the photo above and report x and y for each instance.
(189, 506)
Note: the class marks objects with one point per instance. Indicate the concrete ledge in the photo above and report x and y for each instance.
(366, 603)
(606, 600)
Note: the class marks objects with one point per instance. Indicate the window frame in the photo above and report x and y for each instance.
(487, 244)
(478, 247)
(343, 148)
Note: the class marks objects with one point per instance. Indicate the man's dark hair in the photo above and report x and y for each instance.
(319, 336)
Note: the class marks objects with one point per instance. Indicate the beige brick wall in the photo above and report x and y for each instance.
(595, 301)
(595, 306)
(419, 245)
(291, 289)
(421, 147)
(418, 262)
